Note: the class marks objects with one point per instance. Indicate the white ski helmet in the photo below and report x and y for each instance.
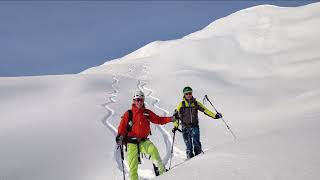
(138, 94)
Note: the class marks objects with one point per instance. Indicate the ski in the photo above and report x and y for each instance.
(186, 160)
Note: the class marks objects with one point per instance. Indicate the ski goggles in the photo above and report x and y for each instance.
(139, 99)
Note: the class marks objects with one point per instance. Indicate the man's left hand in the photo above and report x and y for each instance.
(218, 116)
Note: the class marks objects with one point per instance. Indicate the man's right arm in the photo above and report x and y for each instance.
(177, 116)
(178, 109)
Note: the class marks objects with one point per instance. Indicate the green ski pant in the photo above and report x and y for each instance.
(146, 147)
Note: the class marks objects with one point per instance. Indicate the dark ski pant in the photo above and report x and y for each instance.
(191, 137)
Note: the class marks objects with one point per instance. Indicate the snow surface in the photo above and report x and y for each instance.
(260, 67)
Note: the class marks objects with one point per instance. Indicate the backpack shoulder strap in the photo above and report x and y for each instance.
(182, 109)
(146, 113)
(196, 104)
(130, 121)
(183, 106)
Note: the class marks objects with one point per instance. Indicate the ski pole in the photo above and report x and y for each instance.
(206, 98)
(174, 134)
(173, 138)
(234, 136)
(122, 158)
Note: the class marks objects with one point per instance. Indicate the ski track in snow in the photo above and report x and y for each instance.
(114, 93)
(165, 134)
(113, 130)
(145, 174)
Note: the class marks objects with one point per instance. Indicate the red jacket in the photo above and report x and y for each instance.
(141, 124)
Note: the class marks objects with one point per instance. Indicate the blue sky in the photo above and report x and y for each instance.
(57, 37)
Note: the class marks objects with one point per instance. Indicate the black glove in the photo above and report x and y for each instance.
(218, 116)
(176, 129)
(176, 114)
(119, 139)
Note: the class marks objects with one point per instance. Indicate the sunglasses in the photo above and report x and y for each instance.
(188, 93)
(139, 99)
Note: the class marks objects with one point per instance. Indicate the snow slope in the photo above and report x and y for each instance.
(259, 66)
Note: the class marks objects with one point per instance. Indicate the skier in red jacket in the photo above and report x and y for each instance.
(134, 130)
